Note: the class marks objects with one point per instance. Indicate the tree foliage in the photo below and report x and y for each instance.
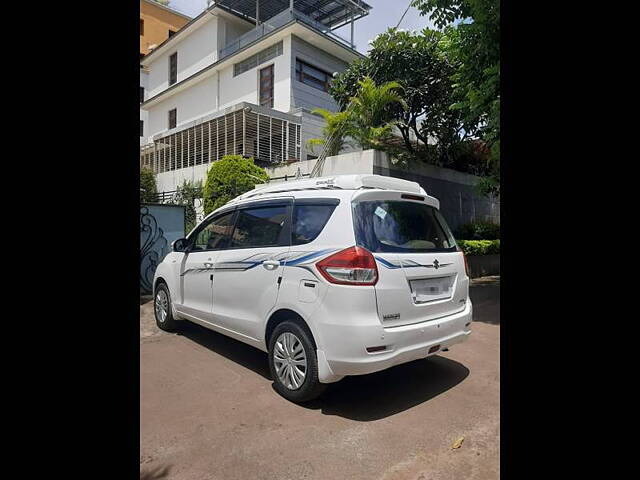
(367, 120)
(418, 62)
(148, 188)
(335, 131)
(229, 177)
(472, 30)
(371, 111)
(186, 195)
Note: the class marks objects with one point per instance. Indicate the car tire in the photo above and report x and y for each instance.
(285, 359)
(162, 309)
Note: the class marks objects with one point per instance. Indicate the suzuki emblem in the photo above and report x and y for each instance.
(436, 264)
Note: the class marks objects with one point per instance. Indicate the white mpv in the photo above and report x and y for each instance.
(331, 276)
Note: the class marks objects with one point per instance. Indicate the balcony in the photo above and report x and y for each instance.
(325, 16)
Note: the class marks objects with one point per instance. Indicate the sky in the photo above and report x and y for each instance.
(384, 14)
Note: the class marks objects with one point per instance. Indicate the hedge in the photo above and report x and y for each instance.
(479, 231)
(479, 247)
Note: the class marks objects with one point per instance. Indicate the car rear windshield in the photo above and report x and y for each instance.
(400, 226)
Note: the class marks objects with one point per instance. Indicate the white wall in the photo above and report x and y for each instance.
(244, 87)
(201, 98)
(195, 51)
(144, 116)
(190, 104)
(356, 162)
(169, 181)
(343, 164)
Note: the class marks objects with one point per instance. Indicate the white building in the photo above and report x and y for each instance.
(144, 116)
(227, 83)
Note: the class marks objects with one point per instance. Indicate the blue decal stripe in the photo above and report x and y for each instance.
(386, 263)
(310, 256)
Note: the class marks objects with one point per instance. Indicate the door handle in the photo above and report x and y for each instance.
(271, 264)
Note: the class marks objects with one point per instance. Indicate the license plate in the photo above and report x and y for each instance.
(430, 289)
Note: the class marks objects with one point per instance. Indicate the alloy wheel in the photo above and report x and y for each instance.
(162, 305)
(290, 361)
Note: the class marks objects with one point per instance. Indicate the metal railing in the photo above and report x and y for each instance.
(266, 138)
(274, 23)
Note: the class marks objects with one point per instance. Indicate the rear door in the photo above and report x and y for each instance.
(248, 272)
(421, 273)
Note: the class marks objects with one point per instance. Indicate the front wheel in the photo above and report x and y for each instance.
(162, 309)
(294, 364)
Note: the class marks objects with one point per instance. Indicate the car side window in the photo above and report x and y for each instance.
(215, 234)
(260, 227)
(308, 222)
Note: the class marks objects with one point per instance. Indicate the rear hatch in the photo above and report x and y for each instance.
(421, 273)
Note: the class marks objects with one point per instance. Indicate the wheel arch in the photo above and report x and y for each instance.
(282, 315)
(157, 282)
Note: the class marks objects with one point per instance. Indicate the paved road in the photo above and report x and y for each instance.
(208, 411)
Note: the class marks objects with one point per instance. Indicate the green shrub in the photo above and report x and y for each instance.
(229, 177)
(186, 195)
(479, 231)
(148, 188)
(479, 247)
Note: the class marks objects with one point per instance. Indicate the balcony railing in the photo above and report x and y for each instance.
(274, 23)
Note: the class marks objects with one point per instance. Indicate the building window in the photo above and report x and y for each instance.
(258, 59)
(312, 76)
(141, 27)
(173, 118)
(266, 87)
(141, 94)
(173, 68)
(171, 33)
(141, 128)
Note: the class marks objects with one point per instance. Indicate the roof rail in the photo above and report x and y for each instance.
(341, 182)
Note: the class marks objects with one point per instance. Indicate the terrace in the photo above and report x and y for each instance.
(324, 16)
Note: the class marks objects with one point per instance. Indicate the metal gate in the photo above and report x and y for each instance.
(160, 225)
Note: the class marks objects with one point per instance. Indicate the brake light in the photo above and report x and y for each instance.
(351, 266)
(466, 264)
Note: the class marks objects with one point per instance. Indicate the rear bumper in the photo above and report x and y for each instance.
(345, 353)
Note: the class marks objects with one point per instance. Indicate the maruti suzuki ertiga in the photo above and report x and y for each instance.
(331, 276)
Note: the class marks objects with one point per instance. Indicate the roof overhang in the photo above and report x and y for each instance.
(295, 27)
(331, 13)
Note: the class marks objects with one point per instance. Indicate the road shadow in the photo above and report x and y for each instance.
(145, 298)
(365, 398)
(236, 351)
(362, 398)
(485, 297)
(157, 473)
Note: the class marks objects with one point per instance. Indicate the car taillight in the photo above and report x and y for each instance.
(352, 266)
(466, 264)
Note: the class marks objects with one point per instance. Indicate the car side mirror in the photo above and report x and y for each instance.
(180, 245)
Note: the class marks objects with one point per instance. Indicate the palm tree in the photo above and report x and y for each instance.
(367, 118)
(338, 126)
